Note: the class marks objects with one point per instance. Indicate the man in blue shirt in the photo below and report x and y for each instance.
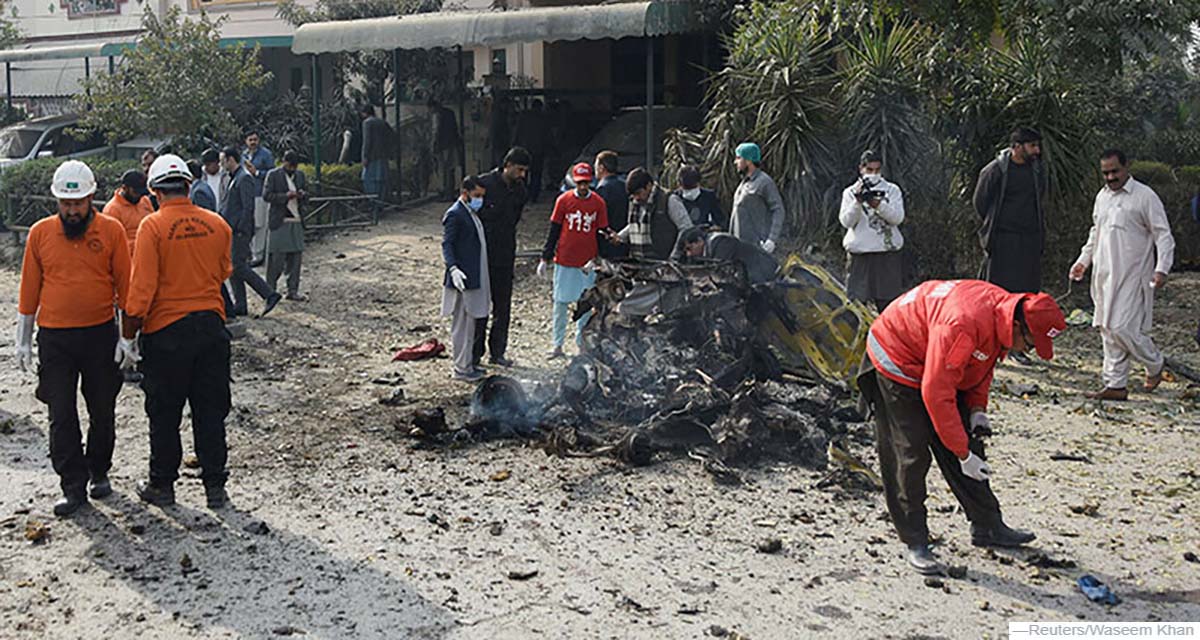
(258, 160)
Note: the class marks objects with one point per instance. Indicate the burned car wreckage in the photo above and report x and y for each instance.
(690, 359)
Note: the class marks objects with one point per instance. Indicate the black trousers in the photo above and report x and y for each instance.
(501, 279)
(907, 443)
(187, 362)
(244, 274)
(1015, 261)
(64, 357)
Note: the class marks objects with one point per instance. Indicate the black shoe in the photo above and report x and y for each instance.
(1021, 358)
(921, 558)
(155, 495)
(70, 503)
(1000, 535)
(216, 496)
(272, 301)
(502, 361)
(100, 487)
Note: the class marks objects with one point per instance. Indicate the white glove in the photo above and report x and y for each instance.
(768, 245)
(25, 341)
(979, 419)
(541, 269)
(127, 354)
(975, 468)
(589, 267)
(458, 278)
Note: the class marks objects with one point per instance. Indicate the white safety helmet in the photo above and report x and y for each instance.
(167, 168)
(73, 180)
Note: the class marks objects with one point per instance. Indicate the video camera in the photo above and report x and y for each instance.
(868, 192)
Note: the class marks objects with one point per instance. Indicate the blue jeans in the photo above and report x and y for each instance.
(562, 312)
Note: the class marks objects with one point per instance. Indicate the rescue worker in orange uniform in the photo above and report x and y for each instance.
(932, 353)
(130, 203)
(76, 265)
(181, 258)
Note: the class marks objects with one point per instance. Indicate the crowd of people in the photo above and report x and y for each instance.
(931, 353)
(143, 290)
(142, 284)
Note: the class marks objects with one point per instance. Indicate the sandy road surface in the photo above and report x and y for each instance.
(368, 537)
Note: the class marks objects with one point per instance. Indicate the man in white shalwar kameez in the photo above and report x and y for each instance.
(1130, 250)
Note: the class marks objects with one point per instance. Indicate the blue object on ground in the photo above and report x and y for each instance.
(1097, 591)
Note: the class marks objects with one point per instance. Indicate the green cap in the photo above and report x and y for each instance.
(749, 151)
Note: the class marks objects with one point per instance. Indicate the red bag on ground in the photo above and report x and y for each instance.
(429, 349)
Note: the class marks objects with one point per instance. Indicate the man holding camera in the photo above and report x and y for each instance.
(872, 211)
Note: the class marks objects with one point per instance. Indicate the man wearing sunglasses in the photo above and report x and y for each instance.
(930, 359)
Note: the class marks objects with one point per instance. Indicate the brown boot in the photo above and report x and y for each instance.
(1109, 394)
(1152, 381)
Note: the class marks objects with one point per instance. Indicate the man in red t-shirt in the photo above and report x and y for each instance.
(579, 219)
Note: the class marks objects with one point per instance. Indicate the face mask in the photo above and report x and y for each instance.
(475, 204)
(691, 194)
(869, 174)
(131, 197)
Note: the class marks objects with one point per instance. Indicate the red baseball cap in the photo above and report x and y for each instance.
(582, 172)
(1045, 320)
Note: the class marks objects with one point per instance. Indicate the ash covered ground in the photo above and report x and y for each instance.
(345, 525)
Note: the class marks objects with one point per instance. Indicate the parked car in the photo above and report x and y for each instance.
(626, 134)
(46, 137)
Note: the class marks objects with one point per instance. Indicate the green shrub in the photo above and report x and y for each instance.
(336, 179)
(33, 178)
(1189, 175)
(1151, 172)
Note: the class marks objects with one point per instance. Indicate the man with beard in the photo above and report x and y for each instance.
(1010, 199)
(757, 206)
(1130, 250)
(503, 202)
(76, 264)
(130, 203)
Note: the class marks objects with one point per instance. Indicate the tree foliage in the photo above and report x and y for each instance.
(421, 71)
(177, 81)
(936, 87)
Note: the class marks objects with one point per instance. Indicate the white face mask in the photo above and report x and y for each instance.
(690, 194)
(869, 174)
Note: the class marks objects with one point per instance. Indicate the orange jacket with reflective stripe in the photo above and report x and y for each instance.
(945, 337)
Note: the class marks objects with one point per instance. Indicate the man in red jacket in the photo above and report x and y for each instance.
(932, 354)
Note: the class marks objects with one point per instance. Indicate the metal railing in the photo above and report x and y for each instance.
(339, 212)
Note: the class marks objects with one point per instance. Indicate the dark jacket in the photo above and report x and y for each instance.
(616, 198)
(275, 192)
(445, 128)
(989, 194)
(202, 195)
(501, 212)
(705, 209)
(238, 208)
(761, 267)
(460, 245)
(377, 140)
